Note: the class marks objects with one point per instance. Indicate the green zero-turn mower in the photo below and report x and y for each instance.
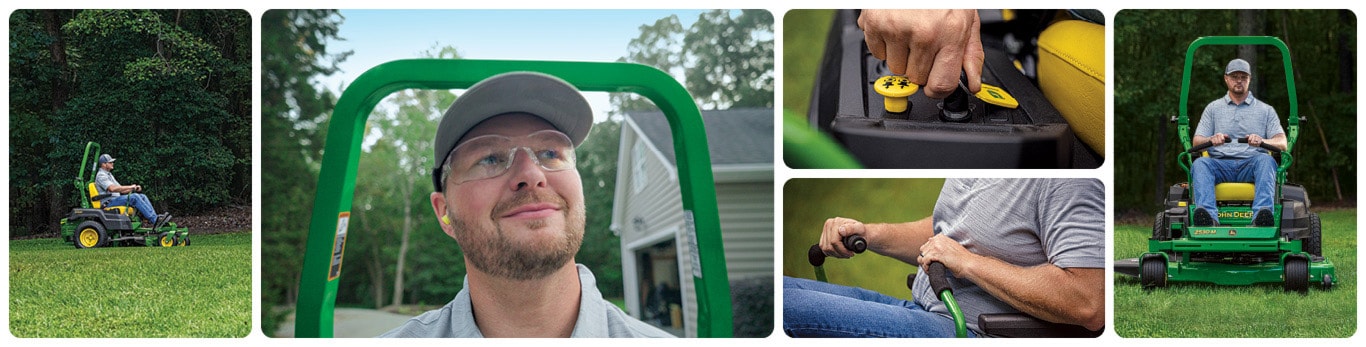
(1236, 252)
(341, 154)
(93, 225)
(992, 324)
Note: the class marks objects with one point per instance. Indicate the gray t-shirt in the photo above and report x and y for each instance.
(1023, 222)
(597, 317)
(1238, 121)
(103, 180)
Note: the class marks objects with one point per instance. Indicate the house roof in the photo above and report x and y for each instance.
(735, 136)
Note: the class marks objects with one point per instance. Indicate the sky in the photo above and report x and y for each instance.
(378, 36)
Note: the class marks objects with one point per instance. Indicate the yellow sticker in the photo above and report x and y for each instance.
(338, 246)
(996, 96)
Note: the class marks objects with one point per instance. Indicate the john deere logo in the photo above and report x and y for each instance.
(1247, 214)
(1232, 232)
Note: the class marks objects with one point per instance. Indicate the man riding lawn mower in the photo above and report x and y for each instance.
(1242, 246)
(97, 223)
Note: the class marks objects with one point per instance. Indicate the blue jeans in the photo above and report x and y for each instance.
(1207, 172)
(137, 201)
(819, 309)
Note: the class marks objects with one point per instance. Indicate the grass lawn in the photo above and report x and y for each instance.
(1264, 310)
(807, 203)
(203, 290)
(804, 33)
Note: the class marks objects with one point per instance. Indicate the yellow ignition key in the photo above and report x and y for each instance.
(894, 90)
(996, 96)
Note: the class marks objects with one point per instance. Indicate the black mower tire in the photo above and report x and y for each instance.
(98, 237)
(1296, 274)
(1314, 243)
(1154, 273)
(1159, 232)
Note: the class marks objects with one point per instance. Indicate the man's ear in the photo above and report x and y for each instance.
(442, 215)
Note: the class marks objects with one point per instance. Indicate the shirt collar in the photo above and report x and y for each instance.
(1250, 100)
(592, 321)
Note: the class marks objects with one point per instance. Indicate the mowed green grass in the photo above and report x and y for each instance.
(1264, 310)
(807, 203)
(203, 290)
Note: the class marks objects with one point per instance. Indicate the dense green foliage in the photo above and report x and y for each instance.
(293, 112)
(1150, 47)
(167, 92)
(203, 290)
(1264, 310)
(725, 59)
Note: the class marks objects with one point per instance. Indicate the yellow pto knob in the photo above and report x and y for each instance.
(894, 90)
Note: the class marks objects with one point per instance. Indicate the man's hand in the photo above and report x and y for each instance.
(834, 232)
(945, 250)
(1254, 140)
(929, 47)
(1219, 139)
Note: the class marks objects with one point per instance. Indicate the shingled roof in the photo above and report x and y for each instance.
(736, 136)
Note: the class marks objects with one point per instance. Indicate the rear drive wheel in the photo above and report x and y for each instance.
(1314, 243)
(91, 234)
(1296, 274)
(1154, 273)
(1161, 231)
(166, 240)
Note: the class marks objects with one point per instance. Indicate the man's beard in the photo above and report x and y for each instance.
(494, 252)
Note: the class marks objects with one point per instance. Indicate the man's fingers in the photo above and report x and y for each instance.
(876, 45)
(948, 66)
(896, 58)
(974, 57)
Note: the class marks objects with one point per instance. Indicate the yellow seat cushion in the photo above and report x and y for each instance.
(1072, 77)
(1234, 191)
(124, 210)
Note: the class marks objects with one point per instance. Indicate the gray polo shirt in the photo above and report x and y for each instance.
(597, 317)
(1023, 222)
(1238, 121)
(103, 180)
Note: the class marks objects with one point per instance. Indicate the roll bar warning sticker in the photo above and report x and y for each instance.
(339, 247)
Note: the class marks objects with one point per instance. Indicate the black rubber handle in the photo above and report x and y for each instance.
(939, 280)
(815, 256)
(855, 243)
(1201, 147)
(1264, 145)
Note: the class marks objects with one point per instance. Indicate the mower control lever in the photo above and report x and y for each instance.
(855, 243)
(1263, 145)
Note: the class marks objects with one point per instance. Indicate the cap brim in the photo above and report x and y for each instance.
(538, 94)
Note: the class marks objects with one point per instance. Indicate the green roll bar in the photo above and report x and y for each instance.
(1292, 130)
(81, 181)
(337, 178)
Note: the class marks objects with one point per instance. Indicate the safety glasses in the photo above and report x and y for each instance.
(490, 156)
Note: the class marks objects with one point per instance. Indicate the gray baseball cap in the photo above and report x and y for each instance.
(538, 94)
(1236, 65)
(105, 158)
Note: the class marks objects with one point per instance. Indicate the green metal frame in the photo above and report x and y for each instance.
(337, 177)
(1241, 236)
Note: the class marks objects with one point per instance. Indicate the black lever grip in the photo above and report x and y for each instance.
(855, 243)
(1263, 145)
(939, 280)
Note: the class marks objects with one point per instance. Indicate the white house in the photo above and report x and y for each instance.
(648, 211)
